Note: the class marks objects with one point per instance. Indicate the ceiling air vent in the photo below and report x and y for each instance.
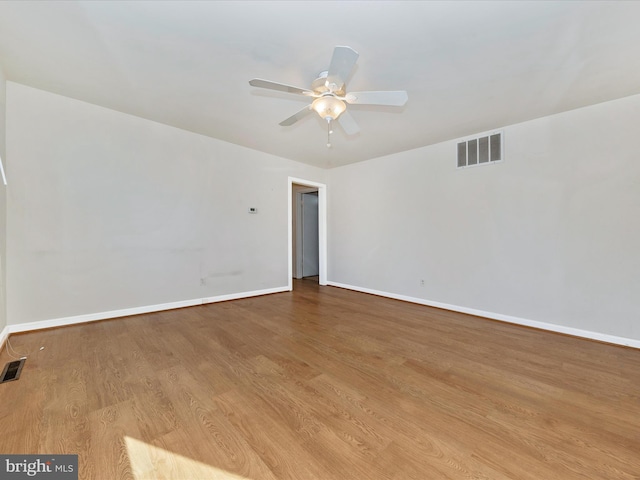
(481, 150)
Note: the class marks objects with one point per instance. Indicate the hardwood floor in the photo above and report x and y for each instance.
(324, 383)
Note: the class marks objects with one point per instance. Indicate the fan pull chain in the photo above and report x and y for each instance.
(329, 132)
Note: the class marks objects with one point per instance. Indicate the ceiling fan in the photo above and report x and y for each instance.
(330, 95)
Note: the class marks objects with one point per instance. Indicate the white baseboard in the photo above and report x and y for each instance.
(92, 317)
(576, 332)
(237, 296)
(3, 337)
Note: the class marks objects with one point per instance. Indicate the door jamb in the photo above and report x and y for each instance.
(322, 228)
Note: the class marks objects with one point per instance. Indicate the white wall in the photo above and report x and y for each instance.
(551, 235)
(108, 211)
(3, 207)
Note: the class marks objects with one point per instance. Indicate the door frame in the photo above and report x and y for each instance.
(297, 235)
(322, 228)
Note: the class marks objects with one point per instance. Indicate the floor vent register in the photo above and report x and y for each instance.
(12, 371)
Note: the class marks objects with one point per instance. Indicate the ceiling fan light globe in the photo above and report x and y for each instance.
(328, 107)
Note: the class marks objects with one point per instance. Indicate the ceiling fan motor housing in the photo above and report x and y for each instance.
(319, 85)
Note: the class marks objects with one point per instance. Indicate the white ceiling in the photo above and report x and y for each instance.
(468, 67)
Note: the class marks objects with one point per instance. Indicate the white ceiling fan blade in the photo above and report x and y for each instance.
(296, 116)
(258, 82)
(348, 124)
(393, 98)
(342, 63)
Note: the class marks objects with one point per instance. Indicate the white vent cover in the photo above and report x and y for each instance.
(481, 150)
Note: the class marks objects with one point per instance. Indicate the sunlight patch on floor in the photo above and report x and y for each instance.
(149, 462)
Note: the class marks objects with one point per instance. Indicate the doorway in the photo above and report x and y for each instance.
(306, 262)
(307, 231)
